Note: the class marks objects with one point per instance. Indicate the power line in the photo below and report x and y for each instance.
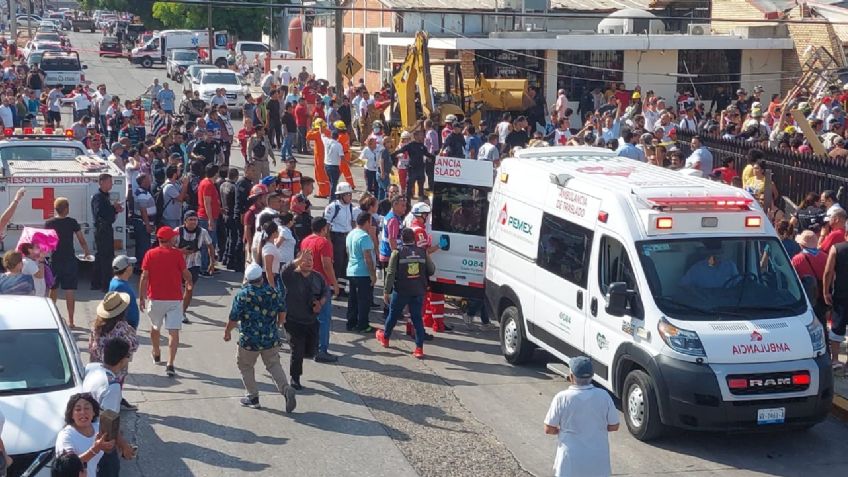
(502, 13)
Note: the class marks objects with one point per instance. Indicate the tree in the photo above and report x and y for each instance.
(246, 23)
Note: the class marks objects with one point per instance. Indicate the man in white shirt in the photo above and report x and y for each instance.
(581, 417)
(333, 154)
(153, 90)
(101, 380)
(285, 76)
(102, 100)
(369, 155)
(339, 215)
(489, 151)
(561, 103)
(701, 157)
(6, 113)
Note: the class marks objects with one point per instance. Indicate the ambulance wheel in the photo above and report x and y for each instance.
(514, 344)
(640, 406)
(146, 62)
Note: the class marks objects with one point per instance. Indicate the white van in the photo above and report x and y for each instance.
(677, 289)
(460, 205)
(157, 48)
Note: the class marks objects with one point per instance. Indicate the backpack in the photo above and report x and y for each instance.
(259, 150)
(161, 204)
(191, 197)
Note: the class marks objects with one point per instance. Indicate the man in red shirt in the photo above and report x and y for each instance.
(301, 119)
(322, 256)
(208, 213)
(434, 303)
(163, 272)
(836, 225)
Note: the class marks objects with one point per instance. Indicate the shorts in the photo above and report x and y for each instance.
(838, 321)
(195, 274)
(168, 311)
(54, 116)
(66, 273)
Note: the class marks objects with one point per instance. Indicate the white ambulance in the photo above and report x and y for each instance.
(460, 205)
(677, 289)
(48, 165)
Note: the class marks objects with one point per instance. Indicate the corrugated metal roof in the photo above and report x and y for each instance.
(571, 5)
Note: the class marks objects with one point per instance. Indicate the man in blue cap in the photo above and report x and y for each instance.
(581, 416)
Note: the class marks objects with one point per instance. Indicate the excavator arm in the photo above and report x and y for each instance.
(414, 71)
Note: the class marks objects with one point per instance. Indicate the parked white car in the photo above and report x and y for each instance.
(179, 59)
(213, 79)
(41, 369)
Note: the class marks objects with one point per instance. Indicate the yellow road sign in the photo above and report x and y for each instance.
(349, 66)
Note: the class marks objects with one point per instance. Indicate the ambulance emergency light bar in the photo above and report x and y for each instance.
(37, 132)
(712, 203)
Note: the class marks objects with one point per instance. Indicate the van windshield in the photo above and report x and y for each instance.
(185, 56)
(60, 63)
(721, 278)
(219, 78)
(47, 369)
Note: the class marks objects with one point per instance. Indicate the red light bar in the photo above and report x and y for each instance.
(737, 383)
(711, 203)
(801, 379)
(48, 130)
(28, 130)
(8, 132)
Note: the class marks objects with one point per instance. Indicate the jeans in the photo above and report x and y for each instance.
(325, 322)
(103, 126)
(411, 180)
(477, 306)
(226, 149)
(302, 339)
(104, 242)
(396, 306)
(233, 249)
(383, 187)
(301, 140)
(142, 238)
(276, 131)
(204, 252)
(288, 142)
(359, 302)
(333, 173)
(246, 362)
(371, 181)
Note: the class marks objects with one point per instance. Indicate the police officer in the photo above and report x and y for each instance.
(406, 284)
(104, 213)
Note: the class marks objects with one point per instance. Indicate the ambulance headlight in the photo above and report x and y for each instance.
(816, 331)
(680, 340)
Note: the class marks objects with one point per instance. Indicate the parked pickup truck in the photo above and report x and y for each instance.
(83, 23)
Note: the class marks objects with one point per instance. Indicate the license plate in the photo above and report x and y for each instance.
(771, 416)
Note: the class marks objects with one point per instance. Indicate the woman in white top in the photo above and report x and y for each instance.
(287, 240)
(81, 435)
(268, 253)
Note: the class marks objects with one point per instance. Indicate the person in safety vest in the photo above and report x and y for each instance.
(434, 303)
(319, 128)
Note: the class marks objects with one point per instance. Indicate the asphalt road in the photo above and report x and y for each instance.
(462, 411)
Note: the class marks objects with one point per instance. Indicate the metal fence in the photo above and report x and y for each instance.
(794, 174)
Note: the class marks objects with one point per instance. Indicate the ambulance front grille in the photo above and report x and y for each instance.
(729, 326)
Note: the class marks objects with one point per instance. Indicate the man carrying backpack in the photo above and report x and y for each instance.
(143, 216)
(169, 198)
(191, 238)
(339, 215)
(260, 152)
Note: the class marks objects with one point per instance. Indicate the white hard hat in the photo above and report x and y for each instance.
(420, 208)
(450, 118)
(405, 135)
(343, 188)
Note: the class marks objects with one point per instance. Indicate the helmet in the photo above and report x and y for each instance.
(636, 95)
(405, 135)
(420, 208)
(805, 107)
(268, 181)
(257, 190)
(318, 123)
(343, 188)
(450, 118)
(340, 125)
(377, 124)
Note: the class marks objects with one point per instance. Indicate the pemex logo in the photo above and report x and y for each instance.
(503, 216)
(511, 221)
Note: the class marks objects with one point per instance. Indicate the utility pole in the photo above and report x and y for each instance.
(339, 23)
(29, 19)
(211, 32)
(13, 21)
(270, 25)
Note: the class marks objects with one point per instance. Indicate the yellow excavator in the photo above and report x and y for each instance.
(466, 98)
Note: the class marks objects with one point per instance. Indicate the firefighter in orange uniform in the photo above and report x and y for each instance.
(434, 303)
(344, 139)
(319, 129)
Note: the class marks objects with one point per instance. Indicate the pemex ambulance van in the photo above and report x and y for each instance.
(677, 289)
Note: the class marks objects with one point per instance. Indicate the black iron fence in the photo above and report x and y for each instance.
(794, 174)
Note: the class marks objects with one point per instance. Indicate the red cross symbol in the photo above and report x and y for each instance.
(45, 203)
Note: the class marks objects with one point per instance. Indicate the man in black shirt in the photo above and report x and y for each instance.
(206, 149)
(104, 212)
(291, 132)
(64, 261)
(518, 136)
(417, 151)
(232, 226)
(455, 142)
(275, 120)
(306, 293)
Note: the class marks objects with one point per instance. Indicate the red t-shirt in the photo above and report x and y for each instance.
(207, 189)
(808, 264)
(421, 238)
(834, 237)
(301, 116)
(321, 247)
(164, 267)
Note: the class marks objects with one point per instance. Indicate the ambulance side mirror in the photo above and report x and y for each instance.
(617, 298)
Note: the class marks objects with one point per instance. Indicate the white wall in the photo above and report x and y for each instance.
(762, 61)
(638, 65)
(324, 52)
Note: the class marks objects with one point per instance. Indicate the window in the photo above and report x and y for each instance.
(578, 81)
(614, 266)
(712, 68)
(60, 63)
(48, 369)
(564, 249)
(39, 153)
(372, 52)
(460, 209)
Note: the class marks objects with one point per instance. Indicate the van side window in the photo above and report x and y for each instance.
(460, 209)
(614, 266)
(564, 249)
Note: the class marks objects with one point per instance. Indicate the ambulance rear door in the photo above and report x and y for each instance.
(459, 209)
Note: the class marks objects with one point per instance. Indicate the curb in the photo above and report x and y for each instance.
(840, 408)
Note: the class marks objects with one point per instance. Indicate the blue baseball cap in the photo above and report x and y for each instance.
(581, 367)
